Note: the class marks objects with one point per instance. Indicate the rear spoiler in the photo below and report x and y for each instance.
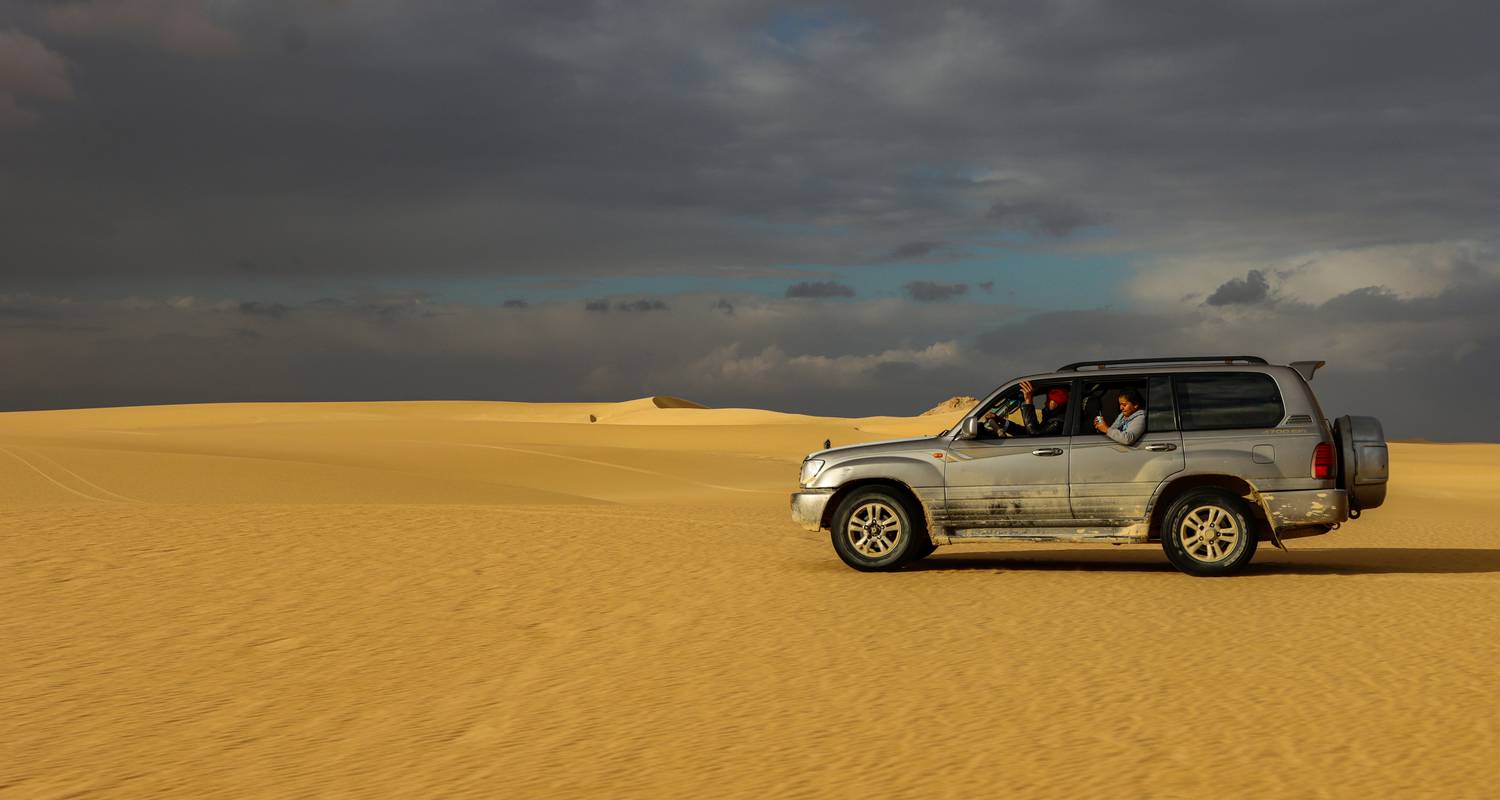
(1307, 368)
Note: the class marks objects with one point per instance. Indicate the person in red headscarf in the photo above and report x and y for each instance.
(1053, 413)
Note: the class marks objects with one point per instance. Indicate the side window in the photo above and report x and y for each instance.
(1049, 405)
(1223, 400)
(1160, 413)
(1102, 399)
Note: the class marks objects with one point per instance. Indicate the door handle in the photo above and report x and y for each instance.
(1161, 447)
(1047, 451)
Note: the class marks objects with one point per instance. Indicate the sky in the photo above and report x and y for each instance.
(847, 209)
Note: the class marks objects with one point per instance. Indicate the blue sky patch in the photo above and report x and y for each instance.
(789, 28)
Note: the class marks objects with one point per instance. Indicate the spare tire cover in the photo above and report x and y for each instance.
(1364, 460)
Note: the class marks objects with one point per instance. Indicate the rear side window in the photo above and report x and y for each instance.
(1220, 400)
(1102, 399)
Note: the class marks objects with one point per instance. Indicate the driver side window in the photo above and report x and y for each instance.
(1008, 417)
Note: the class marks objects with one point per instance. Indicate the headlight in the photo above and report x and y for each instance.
(810, 470)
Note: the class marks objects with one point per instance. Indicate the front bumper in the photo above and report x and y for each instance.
(808, 506)
(1306, 508)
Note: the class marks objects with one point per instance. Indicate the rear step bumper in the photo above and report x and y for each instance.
(1303, 508)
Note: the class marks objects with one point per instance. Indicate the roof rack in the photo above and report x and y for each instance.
(1076, 365)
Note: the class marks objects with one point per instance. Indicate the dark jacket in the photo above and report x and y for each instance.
(1051, 423)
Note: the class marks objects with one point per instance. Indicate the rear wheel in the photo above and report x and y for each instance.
(874, 530)
(1208, 533)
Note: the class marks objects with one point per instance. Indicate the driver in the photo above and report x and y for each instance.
(1053, 413)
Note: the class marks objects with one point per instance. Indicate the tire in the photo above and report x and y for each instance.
(1209, 533)
(921, 548)
(874, 530)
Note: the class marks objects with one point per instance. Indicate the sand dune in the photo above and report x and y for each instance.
(480, 599)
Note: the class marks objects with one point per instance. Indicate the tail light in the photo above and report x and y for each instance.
(1322, 465)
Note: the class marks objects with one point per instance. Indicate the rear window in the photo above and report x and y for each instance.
(1219, 400)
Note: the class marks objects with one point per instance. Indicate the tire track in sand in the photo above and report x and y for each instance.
(85, 481)
(50, 479)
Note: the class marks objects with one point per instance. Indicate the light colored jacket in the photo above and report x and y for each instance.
(1126, 430)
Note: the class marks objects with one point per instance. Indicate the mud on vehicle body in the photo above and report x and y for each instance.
(1235, 451)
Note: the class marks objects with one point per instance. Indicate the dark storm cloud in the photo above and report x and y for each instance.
(912, 250)
(819, 289)
(1369, 303)
(298, 150)
(669, 136)
(1376, 304)
(641, 305)
(26, 313)
(930, 291)
(256, 309)
(1053, 218)
(29, 72)
(185, 27)
(294, 39)
(25, 308)
(1253, 288)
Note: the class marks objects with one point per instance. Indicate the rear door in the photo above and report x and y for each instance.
(1229, 422)
(1110, 483)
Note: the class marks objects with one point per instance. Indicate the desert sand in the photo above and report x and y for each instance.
(498, 599)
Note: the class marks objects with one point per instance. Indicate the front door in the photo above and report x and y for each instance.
(1018, 480)
(1110, 483)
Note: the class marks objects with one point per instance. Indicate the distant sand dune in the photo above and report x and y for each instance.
(474, 599)
(960, 403)
(361, 452)
(665, 401)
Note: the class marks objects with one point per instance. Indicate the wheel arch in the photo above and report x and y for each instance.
(914, 503)
(1177, 487)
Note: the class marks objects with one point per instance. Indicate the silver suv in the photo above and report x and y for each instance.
(1233, 450)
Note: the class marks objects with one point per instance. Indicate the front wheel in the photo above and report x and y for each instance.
(920, 549)
(874, 530)
(1208, 533)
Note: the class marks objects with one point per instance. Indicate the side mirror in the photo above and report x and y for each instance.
(969, 428)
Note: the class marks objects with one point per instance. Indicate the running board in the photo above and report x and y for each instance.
(1128, 534)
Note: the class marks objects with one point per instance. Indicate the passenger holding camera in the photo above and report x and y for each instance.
(1130, 425)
